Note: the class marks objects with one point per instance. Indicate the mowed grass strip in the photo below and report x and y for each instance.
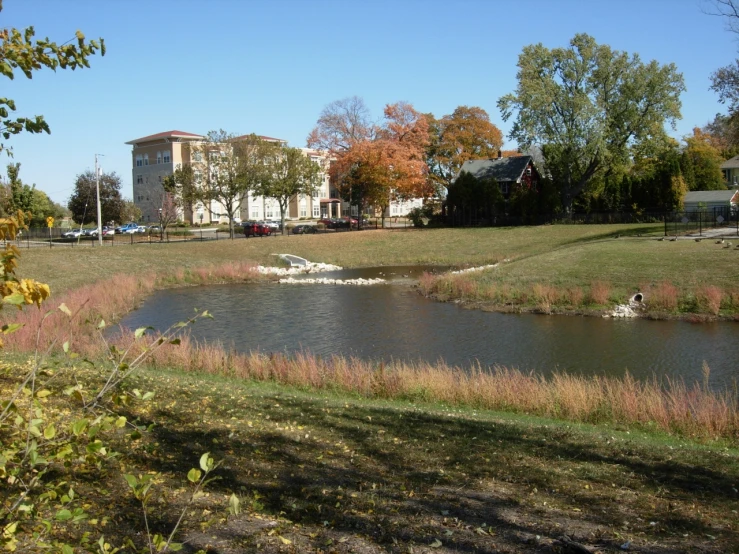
(66, 268)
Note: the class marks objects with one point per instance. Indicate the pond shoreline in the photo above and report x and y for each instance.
(558, 311)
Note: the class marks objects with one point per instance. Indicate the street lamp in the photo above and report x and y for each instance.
(161, 229)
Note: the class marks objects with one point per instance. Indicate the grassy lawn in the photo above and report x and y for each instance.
(317, 472)
(576, 253)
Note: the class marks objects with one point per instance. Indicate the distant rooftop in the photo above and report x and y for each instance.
(166, 134)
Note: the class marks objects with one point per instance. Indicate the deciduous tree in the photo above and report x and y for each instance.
(82, 203)
(183, 187)
(587, 105)
(388, 167)
(233, 167)
(466, 134)
(20, 51)
(701, 163)
(288, 173)
(342, 124)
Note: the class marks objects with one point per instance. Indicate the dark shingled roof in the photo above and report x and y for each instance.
(500, 169)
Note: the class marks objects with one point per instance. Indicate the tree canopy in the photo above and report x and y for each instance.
(466, 134)
(288, 173)
(586, 105)
(233, 167)
(82, 203)
(374, 164)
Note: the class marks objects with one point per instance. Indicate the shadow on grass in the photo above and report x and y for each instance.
(370, 478)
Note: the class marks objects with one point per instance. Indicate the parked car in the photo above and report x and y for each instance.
(108, 231)
(345, 222)
(256, 229)
(141, 229)
(90, 232)
(304, 229)
(155, 228)
(72, 234)
(128, 228)
(274, 225)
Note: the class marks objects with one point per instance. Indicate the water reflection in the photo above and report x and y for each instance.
(386, 322)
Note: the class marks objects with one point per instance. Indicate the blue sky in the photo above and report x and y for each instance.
(269, 67)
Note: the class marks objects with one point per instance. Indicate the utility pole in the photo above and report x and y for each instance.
(97, 187)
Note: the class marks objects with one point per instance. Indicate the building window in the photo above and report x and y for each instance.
(159, 157)
(198, 176)
(139, 179)
(316, 211)
(197, 156)
(167, 158)
(255, 213)
(303, 212)
(268, 211)
(139, 160)
(146, 159)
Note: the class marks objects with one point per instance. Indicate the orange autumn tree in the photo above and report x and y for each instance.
(373, 165)
(466, 134)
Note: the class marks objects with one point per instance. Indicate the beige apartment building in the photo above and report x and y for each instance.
(156, 156)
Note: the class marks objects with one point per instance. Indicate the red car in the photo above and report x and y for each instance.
(254, 229)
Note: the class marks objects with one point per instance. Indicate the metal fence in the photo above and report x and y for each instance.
(701, 222)
(675, 223)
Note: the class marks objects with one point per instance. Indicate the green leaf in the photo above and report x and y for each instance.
(15, 299)
(131, 480)
(140, 332)
(175, 546)
(120, 422)
(78, 427)
(101, 325)
(43, 393)
(63, 515)
(10, 328)
(234, 506)
(176, 342)
(66, 549)
(206, 462)
(194, 475)
(63, 308)
(65, 347)
(50, 432)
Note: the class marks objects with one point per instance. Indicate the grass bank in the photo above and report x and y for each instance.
(325, 472)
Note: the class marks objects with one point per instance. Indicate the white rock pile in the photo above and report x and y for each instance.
(631, 309)
(297, 270)
(323, 281)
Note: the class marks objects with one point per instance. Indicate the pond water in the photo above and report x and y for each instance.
(386, 322)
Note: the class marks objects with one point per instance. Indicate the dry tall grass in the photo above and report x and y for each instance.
(673, 406)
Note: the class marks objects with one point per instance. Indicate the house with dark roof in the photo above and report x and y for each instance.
(507, 172)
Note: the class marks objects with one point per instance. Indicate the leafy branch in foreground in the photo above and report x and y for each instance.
(141, 488)
(53, 446)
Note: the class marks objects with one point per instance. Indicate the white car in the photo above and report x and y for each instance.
(73, 234)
